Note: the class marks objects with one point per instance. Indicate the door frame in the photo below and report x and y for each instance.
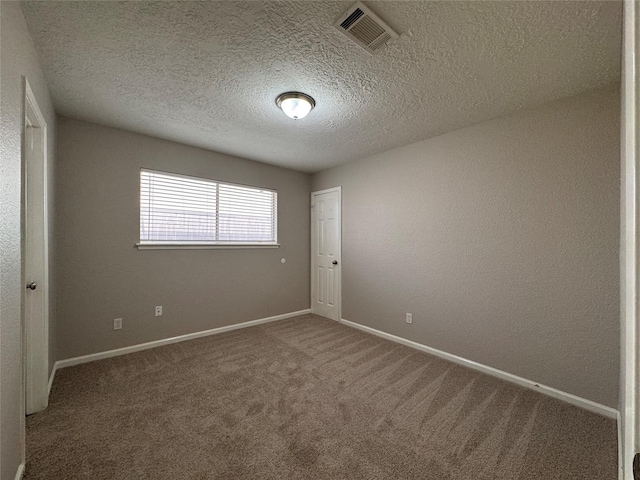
(337, 189)
(35, 342)
(630, 244)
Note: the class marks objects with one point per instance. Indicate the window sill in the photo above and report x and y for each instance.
(203, 246)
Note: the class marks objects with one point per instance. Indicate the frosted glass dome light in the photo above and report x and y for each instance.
(295, 105)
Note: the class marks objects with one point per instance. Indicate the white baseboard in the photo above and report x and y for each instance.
(509, 377)
(52, 376)
(20, 472)
(69, 362)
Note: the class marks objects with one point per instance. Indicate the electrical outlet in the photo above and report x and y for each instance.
(117, 324)
(158, 311)
(409, 317)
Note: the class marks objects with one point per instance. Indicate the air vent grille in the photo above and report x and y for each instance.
(352, 18)
(365, 28)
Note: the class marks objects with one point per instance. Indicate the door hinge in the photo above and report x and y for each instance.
(636, 467)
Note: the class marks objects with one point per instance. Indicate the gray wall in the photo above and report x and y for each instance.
(102, 275)
(17, 58)
(501, 239)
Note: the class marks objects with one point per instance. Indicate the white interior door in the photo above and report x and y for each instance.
(326, 282)
(36, 271)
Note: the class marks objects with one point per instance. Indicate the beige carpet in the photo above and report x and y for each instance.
(306, 398)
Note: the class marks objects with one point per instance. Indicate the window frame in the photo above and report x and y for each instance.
(200, 245)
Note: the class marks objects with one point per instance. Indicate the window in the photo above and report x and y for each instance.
(181, 210)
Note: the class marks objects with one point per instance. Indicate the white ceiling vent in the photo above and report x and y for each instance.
(365, 28)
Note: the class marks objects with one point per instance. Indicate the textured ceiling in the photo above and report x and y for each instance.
(208, 73)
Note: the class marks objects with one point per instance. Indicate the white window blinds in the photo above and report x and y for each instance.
(176, 209)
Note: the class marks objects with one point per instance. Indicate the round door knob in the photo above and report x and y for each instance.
(335, 262)
(32, 286)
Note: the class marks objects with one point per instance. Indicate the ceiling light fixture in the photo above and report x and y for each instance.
(295, 105)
